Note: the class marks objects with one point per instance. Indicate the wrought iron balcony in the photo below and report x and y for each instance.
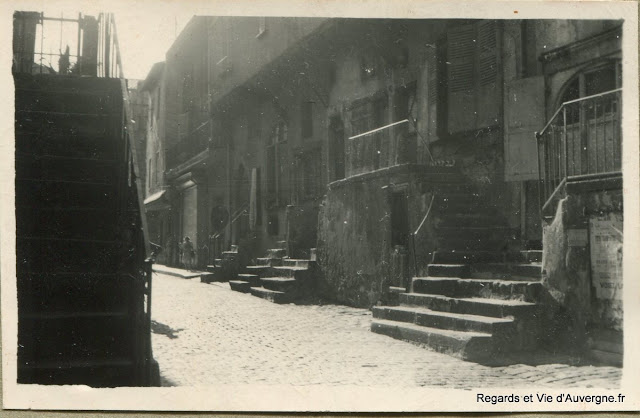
(379, 148)
(582, 139)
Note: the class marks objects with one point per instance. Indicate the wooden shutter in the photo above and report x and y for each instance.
(487, 99)
(432, 92)
(460, 77)
(472, 62)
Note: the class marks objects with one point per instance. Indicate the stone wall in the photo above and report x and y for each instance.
(354, 233)
(567, 266)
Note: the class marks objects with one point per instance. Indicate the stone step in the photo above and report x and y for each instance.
(270, 295)
(267, 261)
(393, 295)
(253, 279)
(474, 233)
(207, 277)
(532, 256)
(295, 262)
(499, 308)
(259, 271)
(240, 286)
(313, 256)
(445, 320)
(472, 346)
(468, 257)
(511, 271)
(282, 284)
(448, 270)
(529, 291)
(286, 271)
(276, 253)
(460, 242)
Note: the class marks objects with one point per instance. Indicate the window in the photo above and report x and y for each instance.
(587, 83)
(472, 71)
(403, 102)
(277, 166)
(368, 114)
(399, 218)
(309, 169)
(306, 119)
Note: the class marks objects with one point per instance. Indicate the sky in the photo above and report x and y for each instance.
(145, 40)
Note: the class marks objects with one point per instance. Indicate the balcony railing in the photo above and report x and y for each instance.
(82, 46)
(583, 138)
(379, 148)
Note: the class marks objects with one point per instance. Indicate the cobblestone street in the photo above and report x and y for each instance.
(205, 334)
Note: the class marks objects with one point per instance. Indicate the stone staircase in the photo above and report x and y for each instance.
(225, 268)
(277, 278)
(481, 295)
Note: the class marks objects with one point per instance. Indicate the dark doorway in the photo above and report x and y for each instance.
(399, 219)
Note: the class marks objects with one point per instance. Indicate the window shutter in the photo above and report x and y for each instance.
(472, 62)
(460, 76)
(487, 99)
(432, 91)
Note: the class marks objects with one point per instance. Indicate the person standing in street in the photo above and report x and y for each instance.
(188, 253)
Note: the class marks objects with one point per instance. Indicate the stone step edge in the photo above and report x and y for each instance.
(473, 280)
(510, 302)
(265, 290)
(453, 315)
(279, 279)
(457, 335)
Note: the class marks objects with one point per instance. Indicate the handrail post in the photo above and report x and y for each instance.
(538, 136)
(566, 147)
(415, 262)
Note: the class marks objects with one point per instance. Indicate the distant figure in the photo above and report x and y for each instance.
(63, 62)
(188, 253)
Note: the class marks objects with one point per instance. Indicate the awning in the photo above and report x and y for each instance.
(157, 201)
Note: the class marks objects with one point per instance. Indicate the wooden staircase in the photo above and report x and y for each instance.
(481, 295)
(84, 283)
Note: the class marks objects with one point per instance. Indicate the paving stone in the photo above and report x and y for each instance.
(228, 337)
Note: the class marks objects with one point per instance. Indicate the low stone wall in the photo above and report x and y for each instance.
(355, 253)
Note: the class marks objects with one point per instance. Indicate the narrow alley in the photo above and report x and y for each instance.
(206, 334)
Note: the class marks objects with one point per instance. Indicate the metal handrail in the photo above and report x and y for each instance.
(413, 236)
(239, 212)
(556, 143)
(564, 104)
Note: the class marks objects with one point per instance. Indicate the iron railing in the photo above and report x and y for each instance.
(84, 46)
(583, 138)
(379, 148)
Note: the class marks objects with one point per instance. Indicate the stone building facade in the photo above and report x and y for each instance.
(353, 136)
